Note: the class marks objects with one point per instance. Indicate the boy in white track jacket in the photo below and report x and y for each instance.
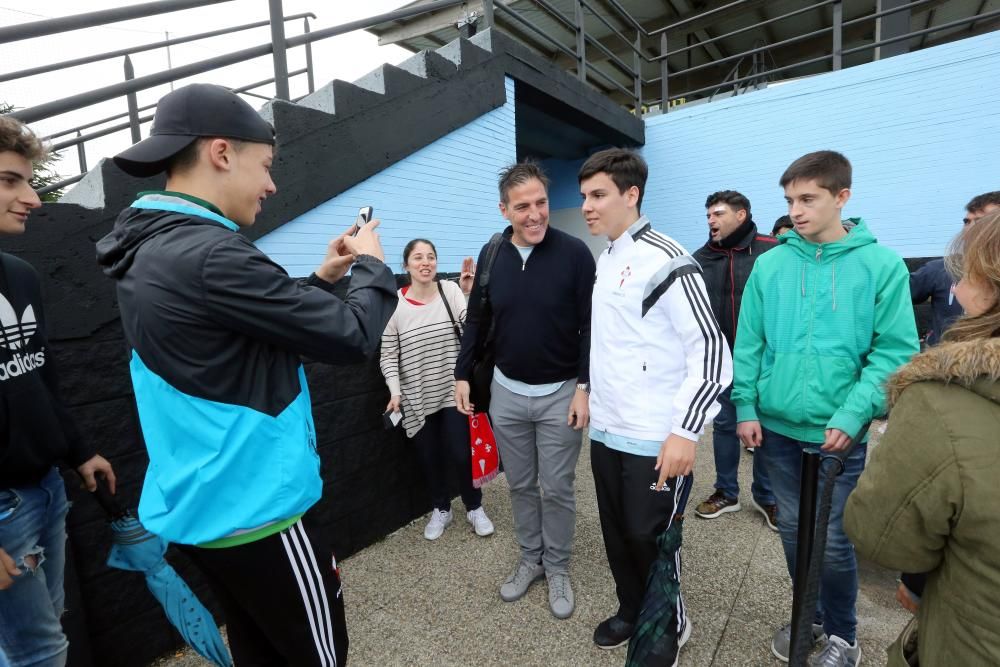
(658, 364)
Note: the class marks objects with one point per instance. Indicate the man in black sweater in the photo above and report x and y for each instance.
(36, 430)
(539, 295)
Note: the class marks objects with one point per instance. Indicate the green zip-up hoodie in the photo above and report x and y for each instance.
(821, 328)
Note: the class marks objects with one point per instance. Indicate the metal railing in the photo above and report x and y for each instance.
(652, 47)
(617, 70)
(277, 47)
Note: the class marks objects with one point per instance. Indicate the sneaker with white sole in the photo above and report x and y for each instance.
(520, 580)
(770, 513)
(439, 521)
(782, 640)
(716, 505)
(561, 600)
(837, 653)
(480, 522)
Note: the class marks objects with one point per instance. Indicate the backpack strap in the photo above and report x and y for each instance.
(483, 272)
(447, 307)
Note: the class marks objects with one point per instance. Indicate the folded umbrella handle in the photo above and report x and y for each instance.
(108, 502)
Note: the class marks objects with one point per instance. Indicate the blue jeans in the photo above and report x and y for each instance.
(33, 533)
(727, 457)
(839, 578)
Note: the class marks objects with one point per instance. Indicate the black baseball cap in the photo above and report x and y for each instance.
(183, 115)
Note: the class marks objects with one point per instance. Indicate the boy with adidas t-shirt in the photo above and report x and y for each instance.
(36, 431)
(658, 364)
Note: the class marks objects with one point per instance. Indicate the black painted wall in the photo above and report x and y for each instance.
(369, 488)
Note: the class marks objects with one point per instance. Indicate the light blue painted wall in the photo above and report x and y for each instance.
(446, 192)
(922, 131)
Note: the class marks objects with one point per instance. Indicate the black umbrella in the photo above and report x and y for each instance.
(654, 641)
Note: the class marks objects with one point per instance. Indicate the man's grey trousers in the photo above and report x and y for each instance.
(539, 453)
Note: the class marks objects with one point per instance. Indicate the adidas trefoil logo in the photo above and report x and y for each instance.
(14, 335)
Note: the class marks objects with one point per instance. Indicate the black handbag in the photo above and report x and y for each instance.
(484, 360)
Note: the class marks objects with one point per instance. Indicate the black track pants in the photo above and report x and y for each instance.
(633, 514)
(282, 599)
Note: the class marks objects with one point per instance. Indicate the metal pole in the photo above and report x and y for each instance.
(664, 74)
(581, 42)
(278, 44)
(133, 105)
(23, 31)
(838, 34)
(637, 65)
(808, 486)
(81, 154)
(309, 59)
(170, 64)
(488, 13)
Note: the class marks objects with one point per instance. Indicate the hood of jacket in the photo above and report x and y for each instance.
(974, 365)
(116, 251)
(857, 236)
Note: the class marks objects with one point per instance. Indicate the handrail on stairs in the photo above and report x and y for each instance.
(648, 46)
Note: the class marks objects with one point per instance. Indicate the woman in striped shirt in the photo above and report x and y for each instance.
(419, 349)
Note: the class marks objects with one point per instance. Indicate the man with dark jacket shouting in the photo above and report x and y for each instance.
(215, 330)
(726, 261)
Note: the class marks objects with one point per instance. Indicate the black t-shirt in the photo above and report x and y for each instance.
(36, 430)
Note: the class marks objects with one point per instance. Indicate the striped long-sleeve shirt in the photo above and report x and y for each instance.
(419, 349)
(658, 360)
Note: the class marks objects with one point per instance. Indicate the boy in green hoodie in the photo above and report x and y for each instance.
(825, 319)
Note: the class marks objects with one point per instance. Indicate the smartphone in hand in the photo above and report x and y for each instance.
(364, 217)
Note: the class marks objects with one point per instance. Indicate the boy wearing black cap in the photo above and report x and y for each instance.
(215, 330)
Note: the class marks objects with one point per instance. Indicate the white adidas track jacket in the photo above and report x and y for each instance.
(658, 360)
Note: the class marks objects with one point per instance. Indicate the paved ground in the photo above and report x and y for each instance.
(414, 602)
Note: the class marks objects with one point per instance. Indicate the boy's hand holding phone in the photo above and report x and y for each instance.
(361, 238)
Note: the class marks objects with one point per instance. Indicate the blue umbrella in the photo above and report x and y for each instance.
(136, 549)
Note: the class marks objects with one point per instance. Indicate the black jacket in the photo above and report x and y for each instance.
(36, 430)
(932, 281)
(541, 309)
(216, 330)
(218, 319)
(726, 267)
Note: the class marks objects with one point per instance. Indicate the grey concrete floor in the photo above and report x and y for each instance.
(414, 602)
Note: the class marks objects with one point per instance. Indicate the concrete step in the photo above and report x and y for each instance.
(429, 65)
(464, 53)
(341, 98)
(390, 81)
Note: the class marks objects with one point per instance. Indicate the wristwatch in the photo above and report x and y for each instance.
(583, 386)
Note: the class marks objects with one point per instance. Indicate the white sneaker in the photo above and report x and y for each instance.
(480, 522)
(435, 527)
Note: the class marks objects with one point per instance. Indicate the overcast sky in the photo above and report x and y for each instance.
(346, 57)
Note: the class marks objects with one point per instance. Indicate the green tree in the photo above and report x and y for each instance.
(44, 171)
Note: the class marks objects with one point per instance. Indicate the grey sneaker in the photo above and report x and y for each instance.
(438, 522)
(837, 653)
(560, 595)
(782, 640)
(517, 584)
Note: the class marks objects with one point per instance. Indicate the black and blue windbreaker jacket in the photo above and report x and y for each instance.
(216, 330)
